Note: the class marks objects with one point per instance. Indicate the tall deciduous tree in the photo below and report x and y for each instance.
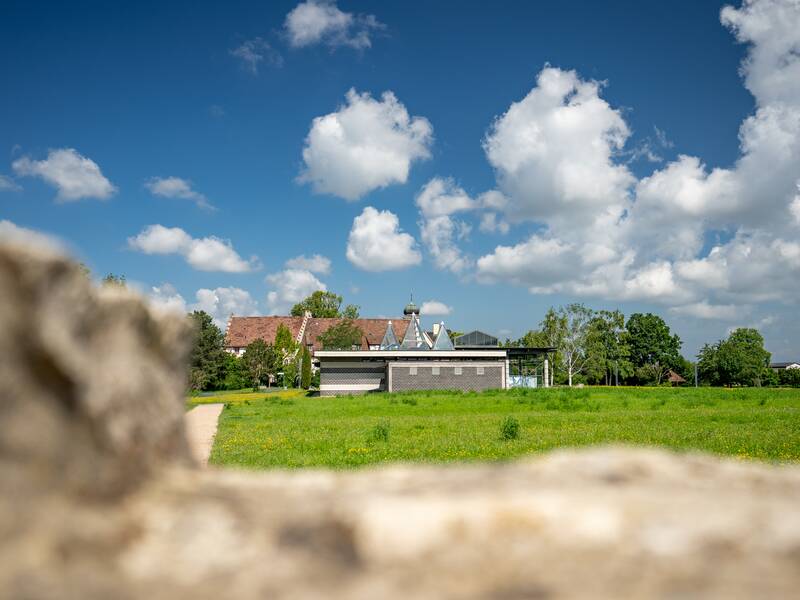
(551, 331)
(320, 304)
(743, 358)
(607, 347)
(236, 376)
(707, 364)
(342, 336)
(351, 311)
(207, 359)
(575, 319)
(325, 305)
(652, 344)
(285, 346)
(259, 361)
(305, 371)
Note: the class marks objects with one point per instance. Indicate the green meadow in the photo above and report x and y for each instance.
(288, 429)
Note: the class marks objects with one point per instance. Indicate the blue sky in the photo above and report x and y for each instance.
(628, 176)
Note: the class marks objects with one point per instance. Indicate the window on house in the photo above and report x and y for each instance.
(479, 370)
(434, 370)
(457, 370)
(412, 370)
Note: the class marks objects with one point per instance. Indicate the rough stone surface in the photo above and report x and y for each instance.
(92, 383)
(99, 500)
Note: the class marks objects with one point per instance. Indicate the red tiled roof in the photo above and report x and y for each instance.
(675, 378)
(243, 330)
(373, 329)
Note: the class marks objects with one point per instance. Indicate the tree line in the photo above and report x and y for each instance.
(591, 346)
(602, 347)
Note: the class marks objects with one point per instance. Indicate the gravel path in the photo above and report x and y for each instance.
(201, 427)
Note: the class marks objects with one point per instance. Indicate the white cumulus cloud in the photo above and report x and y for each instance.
(553, 151)
(175, 187)
(704, 310)
(291, 286)
(365, 145)
(441, 233)
(558, 157)
(204, 254)
(376, 242)
(166, 298)
(222, 302)
(74, 176)
(435, 308)
(316, 263)
(321, 21)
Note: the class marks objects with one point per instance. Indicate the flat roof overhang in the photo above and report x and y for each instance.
(361, 354)
(528, 351)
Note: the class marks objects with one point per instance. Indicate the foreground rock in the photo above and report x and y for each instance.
(98, 498)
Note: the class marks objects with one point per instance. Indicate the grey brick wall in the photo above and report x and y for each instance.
(346, 379)
(468, 380)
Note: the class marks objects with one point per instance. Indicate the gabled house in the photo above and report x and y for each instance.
(305, 330)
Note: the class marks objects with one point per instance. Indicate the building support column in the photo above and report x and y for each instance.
(507, 374)
(546, 373)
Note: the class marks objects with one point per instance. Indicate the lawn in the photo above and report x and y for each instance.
(288, 429)
(240, 396)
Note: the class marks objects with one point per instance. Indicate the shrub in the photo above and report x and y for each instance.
(305, 369)
(790, 377)
(509, 429)
(380, 433)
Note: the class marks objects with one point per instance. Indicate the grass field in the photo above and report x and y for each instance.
(288, 429)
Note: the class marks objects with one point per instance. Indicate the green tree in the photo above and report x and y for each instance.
(343, 336)
(285, 346)
(236, 374)
(686, 370)
(320, 304)
(569, 328)
(259, 361)
(741, 359)
(305, 371)
(532, 339)
(325, 305)
(351, 311)
(551, 333)
(652, 345)
(607, 348)
(207, 358)
(707, 364)
(111, 279)
(789, 377)
(290, 373)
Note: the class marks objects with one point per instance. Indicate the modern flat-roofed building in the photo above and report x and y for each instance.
(421, 361)
(398, 354)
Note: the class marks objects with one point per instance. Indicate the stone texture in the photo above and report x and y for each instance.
(92, 383)
(98, 498)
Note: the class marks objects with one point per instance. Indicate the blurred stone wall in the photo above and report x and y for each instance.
(99, 498)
